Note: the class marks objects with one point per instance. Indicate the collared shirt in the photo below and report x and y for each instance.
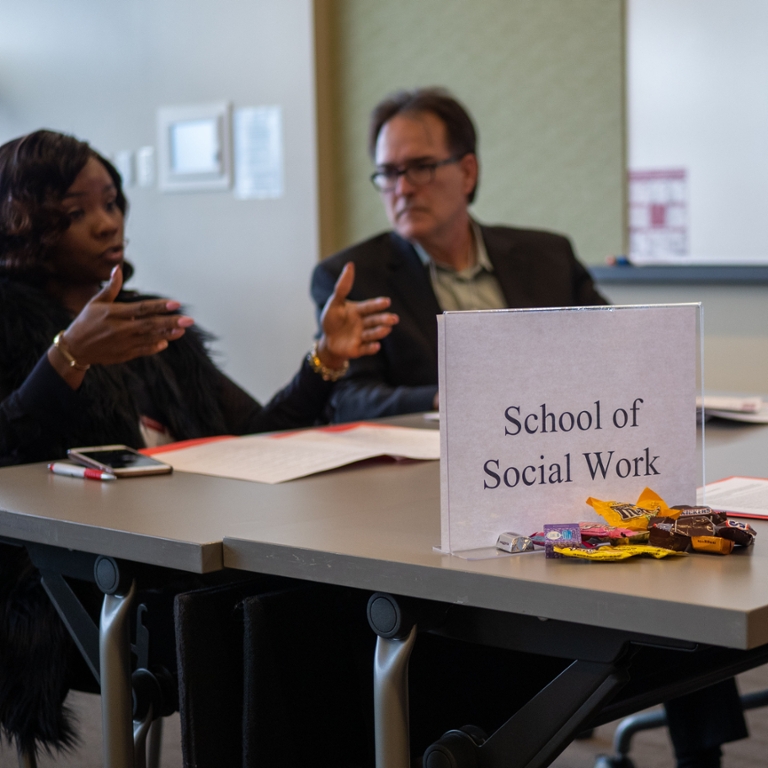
(475, 287)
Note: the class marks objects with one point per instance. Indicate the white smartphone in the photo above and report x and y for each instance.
(120, 460)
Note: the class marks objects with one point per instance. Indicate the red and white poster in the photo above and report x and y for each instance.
(658, 215)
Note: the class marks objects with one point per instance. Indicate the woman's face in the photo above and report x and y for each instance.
(92, 245)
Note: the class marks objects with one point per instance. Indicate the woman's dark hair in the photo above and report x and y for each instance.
(462, 136)
(36, 171)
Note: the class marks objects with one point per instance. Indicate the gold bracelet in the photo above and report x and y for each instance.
(58, 342)
(327, 374)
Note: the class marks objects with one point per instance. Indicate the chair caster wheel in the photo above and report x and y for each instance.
(613, 761)
(455, 749)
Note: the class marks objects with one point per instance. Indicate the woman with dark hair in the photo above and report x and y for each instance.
(84, 362)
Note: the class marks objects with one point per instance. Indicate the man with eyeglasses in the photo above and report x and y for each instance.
(437, 257)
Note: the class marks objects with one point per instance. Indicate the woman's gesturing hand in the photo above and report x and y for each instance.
(352, 328)
(107, 332)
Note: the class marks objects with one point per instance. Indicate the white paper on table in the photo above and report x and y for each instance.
(747, 496)
(758, 417)
(282, 456)
(730, 403)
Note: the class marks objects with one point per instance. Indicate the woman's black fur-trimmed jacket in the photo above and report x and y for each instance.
(41, 417)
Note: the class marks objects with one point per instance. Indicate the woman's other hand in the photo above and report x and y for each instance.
(107, 332)
(352, 328)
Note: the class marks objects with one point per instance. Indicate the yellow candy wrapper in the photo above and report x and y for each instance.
(609, 554)
(651, 500)
(635, 517)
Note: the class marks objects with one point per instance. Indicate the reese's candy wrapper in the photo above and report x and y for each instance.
(713, 544)
(609, 554)
(741, 534)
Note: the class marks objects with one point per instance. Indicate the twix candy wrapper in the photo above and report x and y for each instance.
(715, 545)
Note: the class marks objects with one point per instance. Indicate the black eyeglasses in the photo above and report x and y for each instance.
(419, 173)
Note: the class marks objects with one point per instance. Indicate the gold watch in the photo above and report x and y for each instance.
(327, 374)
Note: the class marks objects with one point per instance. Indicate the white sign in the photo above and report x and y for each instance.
(542, 408)
(258, 152)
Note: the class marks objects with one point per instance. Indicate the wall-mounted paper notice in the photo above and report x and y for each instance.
(540, 409)
(258, 134)
(145, 166)
(123, 160)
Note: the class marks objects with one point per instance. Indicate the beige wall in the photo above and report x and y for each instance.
(544, 80)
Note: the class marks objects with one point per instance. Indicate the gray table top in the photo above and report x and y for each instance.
(169, 520)
(373, 526)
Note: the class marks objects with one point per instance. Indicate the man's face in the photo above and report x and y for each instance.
(424, 212)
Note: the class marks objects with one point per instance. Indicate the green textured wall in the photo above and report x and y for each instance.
(544, 80)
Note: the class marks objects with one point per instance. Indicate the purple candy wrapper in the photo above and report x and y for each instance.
(561, 534)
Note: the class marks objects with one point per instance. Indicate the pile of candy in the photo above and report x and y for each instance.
(648, 527)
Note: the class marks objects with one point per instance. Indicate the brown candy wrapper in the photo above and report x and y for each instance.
(699, 528)
(687, 513)
(663, 534)
(741, 534)
(695, 526)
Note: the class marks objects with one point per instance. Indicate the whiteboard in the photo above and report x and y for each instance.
(697, 95)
